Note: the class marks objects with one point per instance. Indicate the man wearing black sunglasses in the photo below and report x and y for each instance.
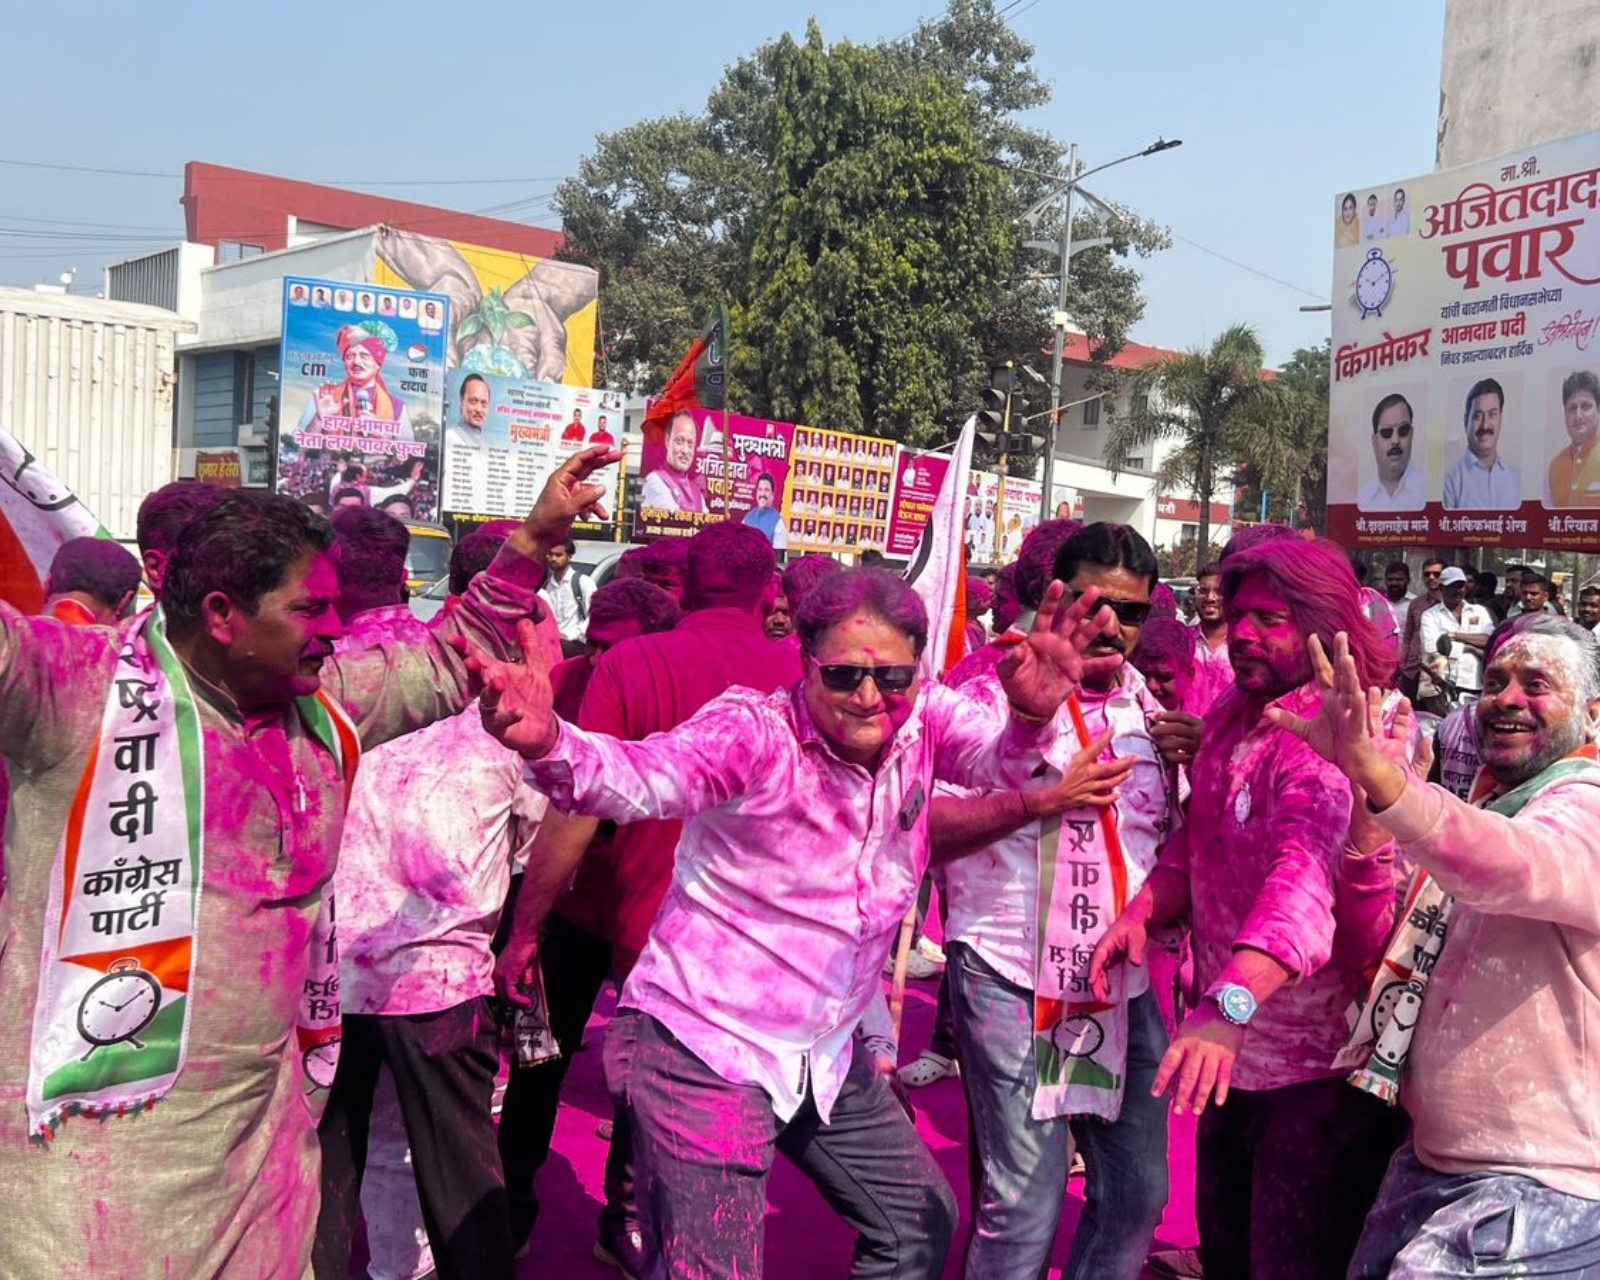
(1398, 486)
(804, 841)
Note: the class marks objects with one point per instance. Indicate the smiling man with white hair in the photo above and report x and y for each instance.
(1489, 1038)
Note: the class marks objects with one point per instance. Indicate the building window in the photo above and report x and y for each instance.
(1136, 464)
(235, 250)
(1091, 412)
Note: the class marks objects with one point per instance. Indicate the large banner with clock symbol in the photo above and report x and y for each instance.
(1464, 404)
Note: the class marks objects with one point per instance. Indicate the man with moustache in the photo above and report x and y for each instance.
(1411, 633)
(1011, 1015)
(1501, 1172)
(1397, 592)
(1481, 480)
(1589, 607)
(1398, 486)
(247, 728)
(1212, 673)
(1288, 1168)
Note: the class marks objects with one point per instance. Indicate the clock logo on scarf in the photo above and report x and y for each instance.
(1078, 1035)
(320, 1061)
(119, 1006)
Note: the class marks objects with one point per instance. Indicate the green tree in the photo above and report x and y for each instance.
(885, 237)
(1283, 454)
(1207, 401)
(679, 213)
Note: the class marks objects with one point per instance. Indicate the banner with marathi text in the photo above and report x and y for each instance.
(1465, 394)
(361, 384)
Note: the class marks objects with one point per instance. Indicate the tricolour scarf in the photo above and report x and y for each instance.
(111, 1024)
(1080, 1044)
(1383, 1021)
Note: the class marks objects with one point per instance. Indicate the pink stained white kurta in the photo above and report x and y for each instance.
(1504, 1067)
(220, 1178)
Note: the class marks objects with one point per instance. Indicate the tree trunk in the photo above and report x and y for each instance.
(1202, 491)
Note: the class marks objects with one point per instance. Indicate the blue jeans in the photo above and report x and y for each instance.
(1427, 1223)
(703, 1149)
(1024, 1162)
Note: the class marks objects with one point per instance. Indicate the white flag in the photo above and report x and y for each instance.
(37, 514)
(938, 571)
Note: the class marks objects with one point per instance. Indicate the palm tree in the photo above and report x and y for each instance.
(1288, 447)
(1208, 400)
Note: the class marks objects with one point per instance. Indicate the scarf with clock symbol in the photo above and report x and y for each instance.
(111, 1023)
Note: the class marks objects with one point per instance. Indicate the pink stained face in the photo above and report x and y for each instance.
(1265, 646)
(1168, 684)
(1119, 585)
(276, 654)
(860, 724)
(1532, 712)
(603, 635)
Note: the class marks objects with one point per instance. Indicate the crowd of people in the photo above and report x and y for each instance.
(290, 876)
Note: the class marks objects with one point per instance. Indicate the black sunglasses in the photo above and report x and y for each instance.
(1388, 433)
(1130, 613)
(841, 677)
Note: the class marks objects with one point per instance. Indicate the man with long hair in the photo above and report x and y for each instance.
(1288, 1168)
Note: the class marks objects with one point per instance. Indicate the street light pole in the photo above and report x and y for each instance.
(1069, 188)
(1047, 498)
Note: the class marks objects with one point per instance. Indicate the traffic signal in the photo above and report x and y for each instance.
(1003, 409)
(272, 414)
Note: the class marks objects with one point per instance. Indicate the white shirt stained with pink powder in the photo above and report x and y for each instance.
(993, 895)
(793, 873)
(434, 822)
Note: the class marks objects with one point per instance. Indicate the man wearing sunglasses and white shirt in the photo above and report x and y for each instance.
(1399, 486)
(804, 842)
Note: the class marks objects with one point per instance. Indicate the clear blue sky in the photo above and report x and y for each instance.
(1279, 107)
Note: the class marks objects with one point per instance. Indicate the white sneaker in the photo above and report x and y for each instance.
(929, 1068)
(917, 966)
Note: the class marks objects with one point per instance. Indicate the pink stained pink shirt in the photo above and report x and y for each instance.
(1213, 674)
(436, 819)
(1504, 1069)
(652, 683)
(793, 873)
(1266, 829)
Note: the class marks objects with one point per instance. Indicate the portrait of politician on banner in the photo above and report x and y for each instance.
(361, 386)
(1466, 305)
(1572, 478)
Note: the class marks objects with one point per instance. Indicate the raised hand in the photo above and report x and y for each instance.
(567, 495)
(1342, 731)
(514, 699)
(1052, 661)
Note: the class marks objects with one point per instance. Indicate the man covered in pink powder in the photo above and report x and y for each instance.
(197, 763)
(1047, 1064)
(804, 841)
(436, 821)
(1290, 1158)
(648, 685)
(1490, 1035)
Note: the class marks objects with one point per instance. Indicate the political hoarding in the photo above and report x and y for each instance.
(918, 477)
(504, 436)
(839, 490)
(361, 389)
(712, 466)
(1000, 511)
(1465, 390)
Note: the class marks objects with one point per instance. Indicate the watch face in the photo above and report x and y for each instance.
(1238, 1003)
(118, 1007)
